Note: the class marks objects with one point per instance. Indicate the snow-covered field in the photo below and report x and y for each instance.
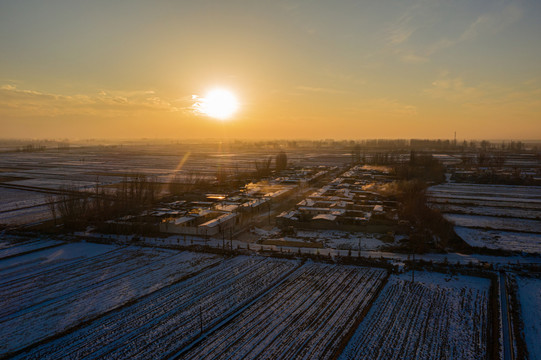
(436, 317)
(39, 261)
(503, 211)
(305, 317)
(498, 239)
(344, 240)
(60, 296)
(493, 216)
(330, 239)
(34, 214)
(171, 318)
(129, 302)
(514, 193)
(495, 223)
(487, 202)
(529, 294)
(13, 199)
(8, 248)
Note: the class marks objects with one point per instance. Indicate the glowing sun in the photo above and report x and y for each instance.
(218, 103)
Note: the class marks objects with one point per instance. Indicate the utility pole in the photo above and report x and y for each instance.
(269, 207)
(201, 319)
(413, 269)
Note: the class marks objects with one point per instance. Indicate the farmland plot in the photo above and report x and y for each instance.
(30, 215)
(21, 207)
(498, 239)
(48, 302)
(529, 294)
(8, 249)
(487, 192)
(495, 223)
(60, 281)
(305, 317)
(493, 216)
(23, 266)
(13, 199)
(160, 323)
(435, 317)
(503, 211)
(512, 204)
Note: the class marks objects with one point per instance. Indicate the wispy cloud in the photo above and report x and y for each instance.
(400, 35)
(414, 18)
(316, 89)
(490, 23)
(421, 16)
(411, 58)
(24, 102)
(453, 89)
(487, 97)
(384, 107)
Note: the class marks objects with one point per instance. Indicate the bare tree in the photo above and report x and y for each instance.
(51, 203)
(281, 161)
(263, 167)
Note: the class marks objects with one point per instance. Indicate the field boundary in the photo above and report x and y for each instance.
(230, 317)
(92, 319)
(349, 334)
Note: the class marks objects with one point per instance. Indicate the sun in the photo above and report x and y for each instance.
(218, 103)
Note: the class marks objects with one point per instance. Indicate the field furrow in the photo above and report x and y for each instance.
(436, 316)
(53, 316)
(295, 320)
(170, 318)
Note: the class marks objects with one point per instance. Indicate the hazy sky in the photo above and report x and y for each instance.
(300, 69)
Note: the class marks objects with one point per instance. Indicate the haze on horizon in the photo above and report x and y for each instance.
(299, 69)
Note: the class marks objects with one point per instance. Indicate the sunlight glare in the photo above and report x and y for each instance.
(218, 103)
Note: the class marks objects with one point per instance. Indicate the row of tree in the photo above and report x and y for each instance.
(77, 208)
(484, 158)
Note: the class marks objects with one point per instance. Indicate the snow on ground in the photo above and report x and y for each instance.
(16, 199)
(490, 211)
(172, 317)
(26, 216)
(493, 216)
(50, 301)
(341, 240)
(455, 258)
(8, 248)
(265, 233)
(437, 316)
(466, 201)
(495, 223)
(54, 183)
(365, 241)
(21, 207)
(498, 239)
(307, 316)
(484, 190)
(487, 197)
(529, 293)
(39, 261)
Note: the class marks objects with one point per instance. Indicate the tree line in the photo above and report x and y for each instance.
(76, 208)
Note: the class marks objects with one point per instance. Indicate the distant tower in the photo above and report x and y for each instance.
(455, 138)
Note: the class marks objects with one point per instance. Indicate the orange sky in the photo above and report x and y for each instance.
(300, 69)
